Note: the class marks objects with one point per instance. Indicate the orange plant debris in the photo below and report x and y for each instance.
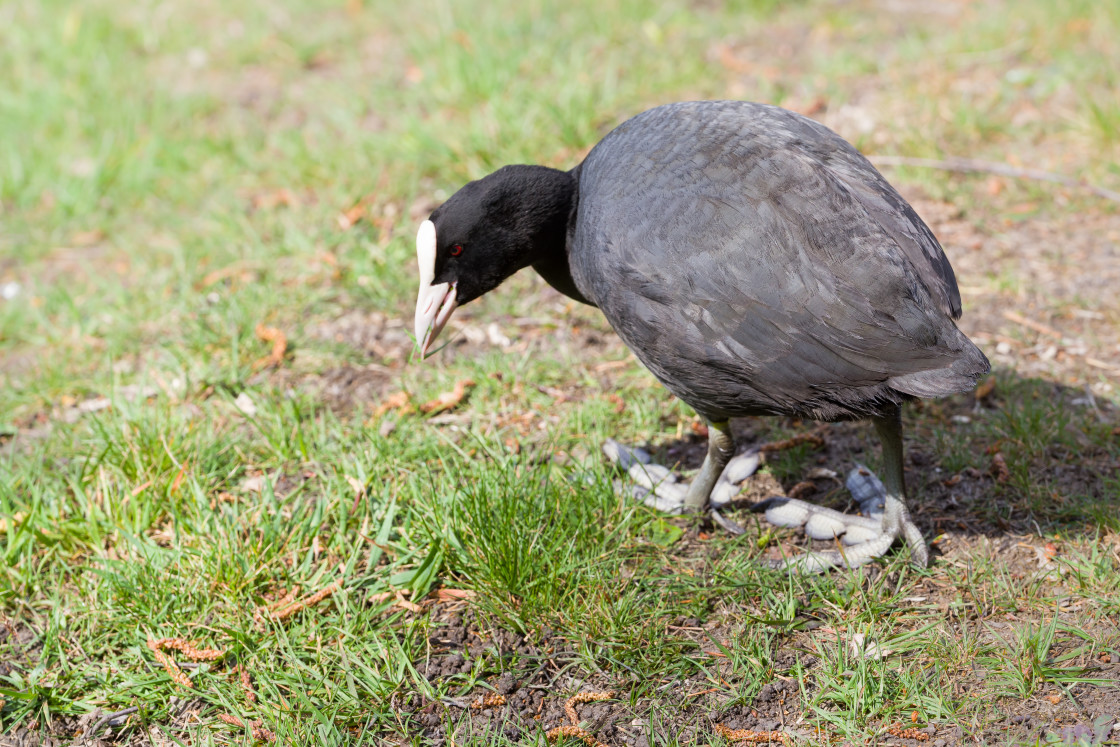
(789, 443)
(448, 400)
(279, 346)
(574, 730)
(749, 735)
(492, 700)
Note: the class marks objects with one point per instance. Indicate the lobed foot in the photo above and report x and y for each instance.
(863, 538)
(658, 487)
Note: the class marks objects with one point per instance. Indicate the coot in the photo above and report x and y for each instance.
(752, 259)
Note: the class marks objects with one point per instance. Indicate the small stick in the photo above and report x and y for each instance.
(108, 718)
(972, 165)
(1042, 329)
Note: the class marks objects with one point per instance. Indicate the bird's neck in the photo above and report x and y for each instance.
(548, 199)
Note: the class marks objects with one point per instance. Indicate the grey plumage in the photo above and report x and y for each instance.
(756, 263)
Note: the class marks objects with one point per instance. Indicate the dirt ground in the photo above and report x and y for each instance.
(534, 696)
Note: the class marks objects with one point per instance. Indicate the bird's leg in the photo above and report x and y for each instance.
(883, 503)
(721, 447)
(896, 516)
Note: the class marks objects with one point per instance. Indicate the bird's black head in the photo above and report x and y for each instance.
(485, 232)
(480, 237)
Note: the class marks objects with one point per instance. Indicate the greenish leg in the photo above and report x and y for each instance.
(896, 516)
(721, 447)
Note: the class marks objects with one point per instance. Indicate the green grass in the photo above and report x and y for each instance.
(172, 176)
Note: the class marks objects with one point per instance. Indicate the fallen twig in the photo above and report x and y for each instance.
(972, 165)
(108, 718)
(1043, 329)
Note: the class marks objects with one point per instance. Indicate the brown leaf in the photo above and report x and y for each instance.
(279, 347)
(801, 488)
(999, 468)
(987, 386)
(348, 218)
(277, 198)
(453, 595)
(789, 443)
(410, 606)
(448, 400)
(401, 401)
(87, 238)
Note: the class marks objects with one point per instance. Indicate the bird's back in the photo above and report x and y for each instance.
(757, 263)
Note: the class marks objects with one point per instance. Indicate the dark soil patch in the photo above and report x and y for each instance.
(537, 675)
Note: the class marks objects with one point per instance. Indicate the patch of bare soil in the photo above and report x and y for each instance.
(1059, 315)
(536, 677)
(532, 679)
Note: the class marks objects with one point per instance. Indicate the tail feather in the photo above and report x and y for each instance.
(961, 376)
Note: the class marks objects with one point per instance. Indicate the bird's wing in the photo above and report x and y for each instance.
(773, 277)
(886, 207)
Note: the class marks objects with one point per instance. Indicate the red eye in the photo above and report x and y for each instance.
(456, 250)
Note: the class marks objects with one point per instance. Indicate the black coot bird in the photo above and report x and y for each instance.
(751, 258)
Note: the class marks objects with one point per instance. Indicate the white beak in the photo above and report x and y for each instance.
(434, 303)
